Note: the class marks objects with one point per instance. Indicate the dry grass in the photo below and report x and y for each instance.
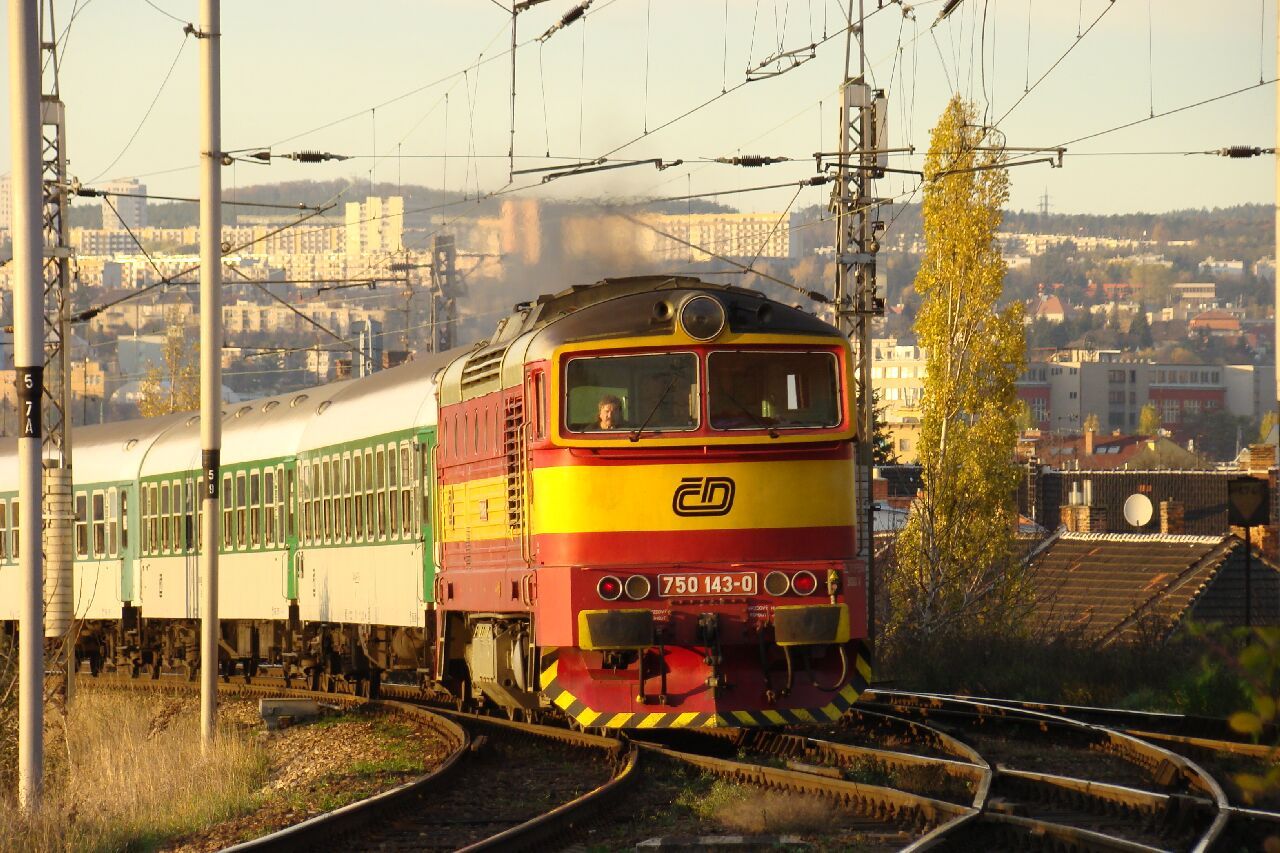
(749, 810)
(124, 772)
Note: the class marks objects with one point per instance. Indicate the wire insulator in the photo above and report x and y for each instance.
(752, 160)
(1239, 151)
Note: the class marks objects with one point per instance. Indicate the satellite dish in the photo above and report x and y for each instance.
(1137, 510)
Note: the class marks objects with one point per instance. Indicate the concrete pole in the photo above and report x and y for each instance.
(28, 357)
(210, 358)
(1275, 303)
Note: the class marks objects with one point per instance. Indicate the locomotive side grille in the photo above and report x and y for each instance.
(512, 432)
(482, 367)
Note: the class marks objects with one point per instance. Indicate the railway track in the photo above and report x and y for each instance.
(904, 771)
(503, 786)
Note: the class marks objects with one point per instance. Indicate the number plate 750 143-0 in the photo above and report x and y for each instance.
(723, 583)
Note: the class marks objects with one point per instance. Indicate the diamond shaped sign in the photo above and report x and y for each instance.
(1248, 502)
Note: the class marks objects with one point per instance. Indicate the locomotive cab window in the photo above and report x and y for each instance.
(658, 392)
(766, 390)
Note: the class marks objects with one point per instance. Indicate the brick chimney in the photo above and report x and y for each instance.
(1089, 437)
(1171, 518)
(1261, 458)
(1080, 518)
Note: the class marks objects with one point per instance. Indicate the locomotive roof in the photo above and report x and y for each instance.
(612, 308)
(741, 304)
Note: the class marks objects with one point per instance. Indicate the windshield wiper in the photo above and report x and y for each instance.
(757, 419)
(635, 436)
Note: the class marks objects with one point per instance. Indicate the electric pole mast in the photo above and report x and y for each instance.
(861, 159)
(210, 36)
(59, 502)
(28, 359)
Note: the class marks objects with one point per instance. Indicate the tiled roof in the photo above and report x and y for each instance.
(1123, 587)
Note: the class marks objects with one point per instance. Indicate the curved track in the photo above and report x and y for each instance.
(916, 771)
(503, 786)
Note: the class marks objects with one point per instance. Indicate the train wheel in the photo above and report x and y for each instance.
(313, 679)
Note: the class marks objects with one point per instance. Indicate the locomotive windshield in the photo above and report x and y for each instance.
(762, 390)
(626, 392)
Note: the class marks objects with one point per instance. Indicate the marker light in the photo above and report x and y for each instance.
(637, 587)
(804, 583)
(777, 583)
(702, 318)
(609, 588)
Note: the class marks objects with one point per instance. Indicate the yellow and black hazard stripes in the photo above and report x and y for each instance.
(580, 712)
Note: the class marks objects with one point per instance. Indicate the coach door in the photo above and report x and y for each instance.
(424, 450)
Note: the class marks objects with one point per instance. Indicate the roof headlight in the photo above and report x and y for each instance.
(702, 318)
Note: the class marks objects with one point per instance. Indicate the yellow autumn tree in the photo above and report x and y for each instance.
(174, 385)
(956, 564)
(1149, 420)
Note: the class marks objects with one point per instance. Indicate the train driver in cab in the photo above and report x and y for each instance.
(610, 413)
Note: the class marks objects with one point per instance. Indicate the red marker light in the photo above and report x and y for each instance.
(804, 583)
(609, 588)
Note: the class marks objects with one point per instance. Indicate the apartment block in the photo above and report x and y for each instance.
(375, 226)
(126, 208)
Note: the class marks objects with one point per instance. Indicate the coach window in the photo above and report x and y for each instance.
(242, 501)
(269, 488)
(304, 501)
(15, 515)
(348, 489)
(369, 500)
(177, 516)
(339, 507)
(189, 522)
(143, 530)
(199, 502)
(357, 488)
(255, 508)
(393, 492)
(326, 504)
(4, 530)
(164, 517)
(228, 513)
(406, 489)
(380, 468)
(82, 531)
(99, 525)
(289, 498)
(112, 523)
(124, 520)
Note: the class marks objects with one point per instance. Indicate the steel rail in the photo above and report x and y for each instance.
(1162, 722)
(321, 830)
(887, 804)
(552, 824)
(1163, 765)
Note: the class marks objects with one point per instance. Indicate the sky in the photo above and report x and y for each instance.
(417, 92)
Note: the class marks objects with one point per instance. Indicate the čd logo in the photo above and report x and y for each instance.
(697, 496)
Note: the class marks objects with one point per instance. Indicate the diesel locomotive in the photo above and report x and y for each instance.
(633, 505)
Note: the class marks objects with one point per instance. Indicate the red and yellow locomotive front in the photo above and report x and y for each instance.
(692, 513)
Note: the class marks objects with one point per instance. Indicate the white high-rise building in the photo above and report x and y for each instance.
(375, 227)
(130, 209)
